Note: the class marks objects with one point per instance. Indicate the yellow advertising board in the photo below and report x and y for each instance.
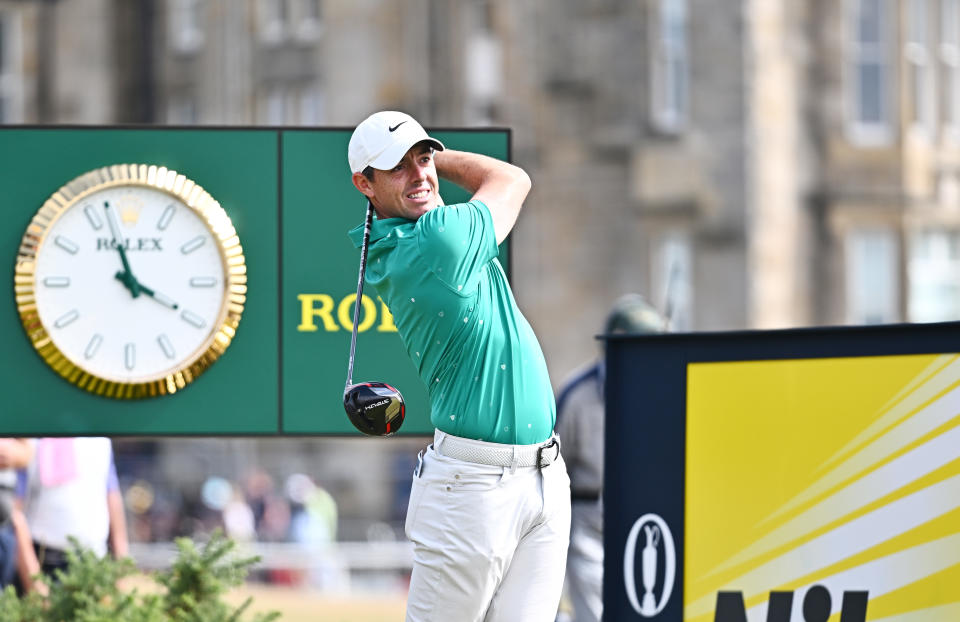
(843, 473)
(790, 486)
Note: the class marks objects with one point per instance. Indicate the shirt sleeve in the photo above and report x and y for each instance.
(457, 242)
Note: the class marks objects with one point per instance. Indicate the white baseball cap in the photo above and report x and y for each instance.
(383, 138)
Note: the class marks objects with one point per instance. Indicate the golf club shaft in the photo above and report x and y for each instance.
(357, 302)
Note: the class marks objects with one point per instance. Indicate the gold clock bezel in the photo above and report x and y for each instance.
(231, 254)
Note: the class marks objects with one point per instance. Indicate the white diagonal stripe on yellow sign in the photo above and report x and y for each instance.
(883, 575)
(937, 384)
(895, 439)
(911, 466)
(845, 541)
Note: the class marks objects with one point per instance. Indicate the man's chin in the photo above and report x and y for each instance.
(419, 209)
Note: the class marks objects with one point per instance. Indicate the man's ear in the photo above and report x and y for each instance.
(363, 184)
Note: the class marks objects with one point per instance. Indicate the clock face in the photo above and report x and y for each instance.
(138, 281)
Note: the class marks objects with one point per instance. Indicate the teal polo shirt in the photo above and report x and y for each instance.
(460, 325)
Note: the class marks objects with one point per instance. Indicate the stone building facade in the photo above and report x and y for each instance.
(755, 164)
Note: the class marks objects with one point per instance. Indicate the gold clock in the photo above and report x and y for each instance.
(130, 281)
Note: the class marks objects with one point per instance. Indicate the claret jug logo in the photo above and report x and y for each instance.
(658, 565)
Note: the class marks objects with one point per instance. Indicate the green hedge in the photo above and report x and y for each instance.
(191, 590)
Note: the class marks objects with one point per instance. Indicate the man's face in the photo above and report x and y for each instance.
(408, 190)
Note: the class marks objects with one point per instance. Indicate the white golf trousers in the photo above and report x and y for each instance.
(490, 543)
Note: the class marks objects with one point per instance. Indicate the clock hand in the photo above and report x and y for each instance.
(126, 277)
(129, 281)
(164, 300)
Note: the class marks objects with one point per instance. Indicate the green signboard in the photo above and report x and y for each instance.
(289, 198)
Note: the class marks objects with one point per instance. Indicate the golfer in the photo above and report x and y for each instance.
(489, 511)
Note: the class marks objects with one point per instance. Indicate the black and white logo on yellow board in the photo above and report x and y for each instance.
(651, 541)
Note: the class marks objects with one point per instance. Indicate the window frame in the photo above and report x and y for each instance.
(859, 286)
(933, 270)
(869, 133)
(307, 26)
(949, 55)
(11, 72)
(919, 61)
(185, 26)
(669, 66)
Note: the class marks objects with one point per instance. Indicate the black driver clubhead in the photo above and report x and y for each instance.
(374, 408)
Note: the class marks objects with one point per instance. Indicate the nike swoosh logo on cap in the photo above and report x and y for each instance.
(391, 129)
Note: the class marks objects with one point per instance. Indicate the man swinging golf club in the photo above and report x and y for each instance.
(489, 511)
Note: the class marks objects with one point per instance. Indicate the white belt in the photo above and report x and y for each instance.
(497, 454)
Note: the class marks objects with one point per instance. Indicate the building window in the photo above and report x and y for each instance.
(307, 20)
(291, 104)
(182, 110)
(934, 271)
(483, 62)
(484, 76)
(669, 68)
(868, 75)
(281, 104)
(919, 65)
(672, 282)
(273, 19)
(311, 106)
(186, 23)
(950, 57)
(872, 278)
(11, 73)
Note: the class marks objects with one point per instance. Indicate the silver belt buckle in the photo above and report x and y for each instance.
(545, 462)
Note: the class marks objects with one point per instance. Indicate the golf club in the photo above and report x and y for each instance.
(374, 408)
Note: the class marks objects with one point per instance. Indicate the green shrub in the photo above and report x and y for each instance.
(191, 589)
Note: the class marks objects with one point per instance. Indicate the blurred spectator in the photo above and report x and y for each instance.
(258, 487)
(238, 521)
(275, 525)
(270, 510)
(580, 425)
(313, 512)
(59, 492)
(15, 453)
(313, 523)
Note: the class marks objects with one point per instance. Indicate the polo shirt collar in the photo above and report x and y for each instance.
(378, 230)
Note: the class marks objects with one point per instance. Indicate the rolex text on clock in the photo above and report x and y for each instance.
(130, 281)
